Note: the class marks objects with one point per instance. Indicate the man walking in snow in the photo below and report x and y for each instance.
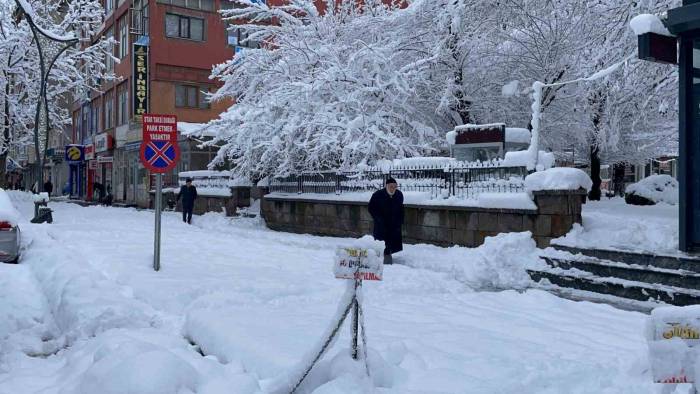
(386, 208)
(188, 193)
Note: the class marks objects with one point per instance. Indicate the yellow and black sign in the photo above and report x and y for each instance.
(75, 153)
(140, 77)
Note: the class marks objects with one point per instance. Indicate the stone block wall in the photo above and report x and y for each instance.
(439, 225)
(240, 197)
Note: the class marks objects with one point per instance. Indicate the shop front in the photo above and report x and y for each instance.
(104, 160)
(75, 158)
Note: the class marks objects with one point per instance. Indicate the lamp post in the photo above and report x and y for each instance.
(683, 23)
(68, 42)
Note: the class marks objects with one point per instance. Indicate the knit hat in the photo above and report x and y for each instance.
(390, 180)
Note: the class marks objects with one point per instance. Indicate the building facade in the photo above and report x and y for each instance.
(165, 51)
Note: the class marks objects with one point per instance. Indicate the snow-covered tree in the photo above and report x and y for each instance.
(46, 54)
(327, 90)
(357, 84)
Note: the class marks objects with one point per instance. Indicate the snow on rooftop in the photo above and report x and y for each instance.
(470, 127)
(648, 23)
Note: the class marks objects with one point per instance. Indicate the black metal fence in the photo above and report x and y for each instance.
(462, 183)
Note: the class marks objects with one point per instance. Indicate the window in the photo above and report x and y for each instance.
(122, 104)
(86, 116)
(95, 118)
(76, 126)
(239, 38)
(109, 61)
(109, 6)
(109, 110)
(180, 26)
(190, 96)
(123, 37)
(139, 17)
(204, 5)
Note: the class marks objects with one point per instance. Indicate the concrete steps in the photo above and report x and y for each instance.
(641, 279)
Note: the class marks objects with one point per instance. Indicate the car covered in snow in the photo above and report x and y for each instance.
(10, 235)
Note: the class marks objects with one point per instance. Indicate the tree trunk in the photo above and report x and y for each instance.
(3, 170)
(5, 135)
(594, 194)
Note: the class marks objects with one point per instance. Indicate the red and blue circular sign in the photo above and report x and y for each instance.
(159, 149)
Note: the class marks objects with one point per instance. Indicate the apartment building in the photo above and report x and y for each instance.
(165, 52)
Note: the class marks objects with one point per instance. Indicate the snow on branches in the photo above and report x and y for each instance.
(343, 84)
(325, 91)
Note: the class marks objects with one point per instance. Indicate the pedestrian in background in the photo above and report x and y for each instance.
(188, 193)
(48, 186)
(386, 208)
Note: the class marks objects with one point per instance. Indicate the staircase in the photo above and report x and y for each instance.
(629, 280)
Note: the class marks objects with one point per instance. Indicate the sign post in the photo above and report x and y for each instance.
(354, 264)
(673, 336)
(357, 264)
(159, 153)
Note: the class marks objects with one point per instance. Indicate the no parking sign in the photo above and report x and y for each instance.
(159, 153)
(159, 149)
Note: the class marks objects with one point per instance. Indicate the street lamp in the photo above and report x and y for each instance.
(68, 42)
(683, 23)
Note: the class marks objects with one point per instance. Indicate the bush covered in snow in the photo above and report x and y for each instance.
(652, 190)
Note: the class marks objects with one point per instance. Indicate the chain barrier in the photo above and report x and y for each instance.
(364, 339)
(325, 345)
(358, 320)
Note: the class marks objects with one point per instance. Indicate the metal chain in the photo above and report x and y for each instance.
(364, 338)
(325, 345)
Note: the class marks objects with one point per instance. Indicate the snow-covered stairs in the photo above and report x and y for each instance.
(644, 279)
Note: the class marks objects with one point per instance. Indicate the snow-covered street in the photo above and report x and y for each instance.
(85, 313)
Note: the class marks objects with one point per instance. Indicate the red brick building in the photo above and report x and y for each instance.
(185, 38)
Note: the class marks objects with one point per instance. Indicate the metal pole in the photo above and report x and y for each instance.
(158, 208)
(355, 321)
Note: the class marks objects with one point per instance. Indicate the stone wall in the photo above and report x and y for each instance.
(555, 215)
(240, 197)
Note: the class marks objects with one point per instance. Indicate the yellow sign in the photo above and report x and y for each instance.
(74, 153)
(140, 96)
(678, 331)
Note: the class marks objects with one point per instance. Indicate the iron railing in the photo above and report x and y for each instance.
(464, 183)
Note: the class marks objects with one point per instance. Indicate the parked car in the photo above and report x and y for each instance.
(10, 234)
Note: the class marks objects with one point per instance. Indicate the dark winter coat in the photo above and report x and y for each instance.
(48, 187)
(387, 212)
(188, 195)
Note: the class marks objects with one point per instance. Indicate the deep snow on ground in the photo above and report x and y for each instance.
(256, 302)
(613, 224)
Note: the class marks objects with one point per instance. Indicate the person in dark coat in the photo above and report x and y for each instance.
(188, 193)
(48, 186)
(386, 208)
(619, 179)
(99, 188)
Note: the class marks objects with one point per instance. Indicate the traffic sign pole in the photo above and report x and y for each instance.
(159, 153)
(158, 207)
